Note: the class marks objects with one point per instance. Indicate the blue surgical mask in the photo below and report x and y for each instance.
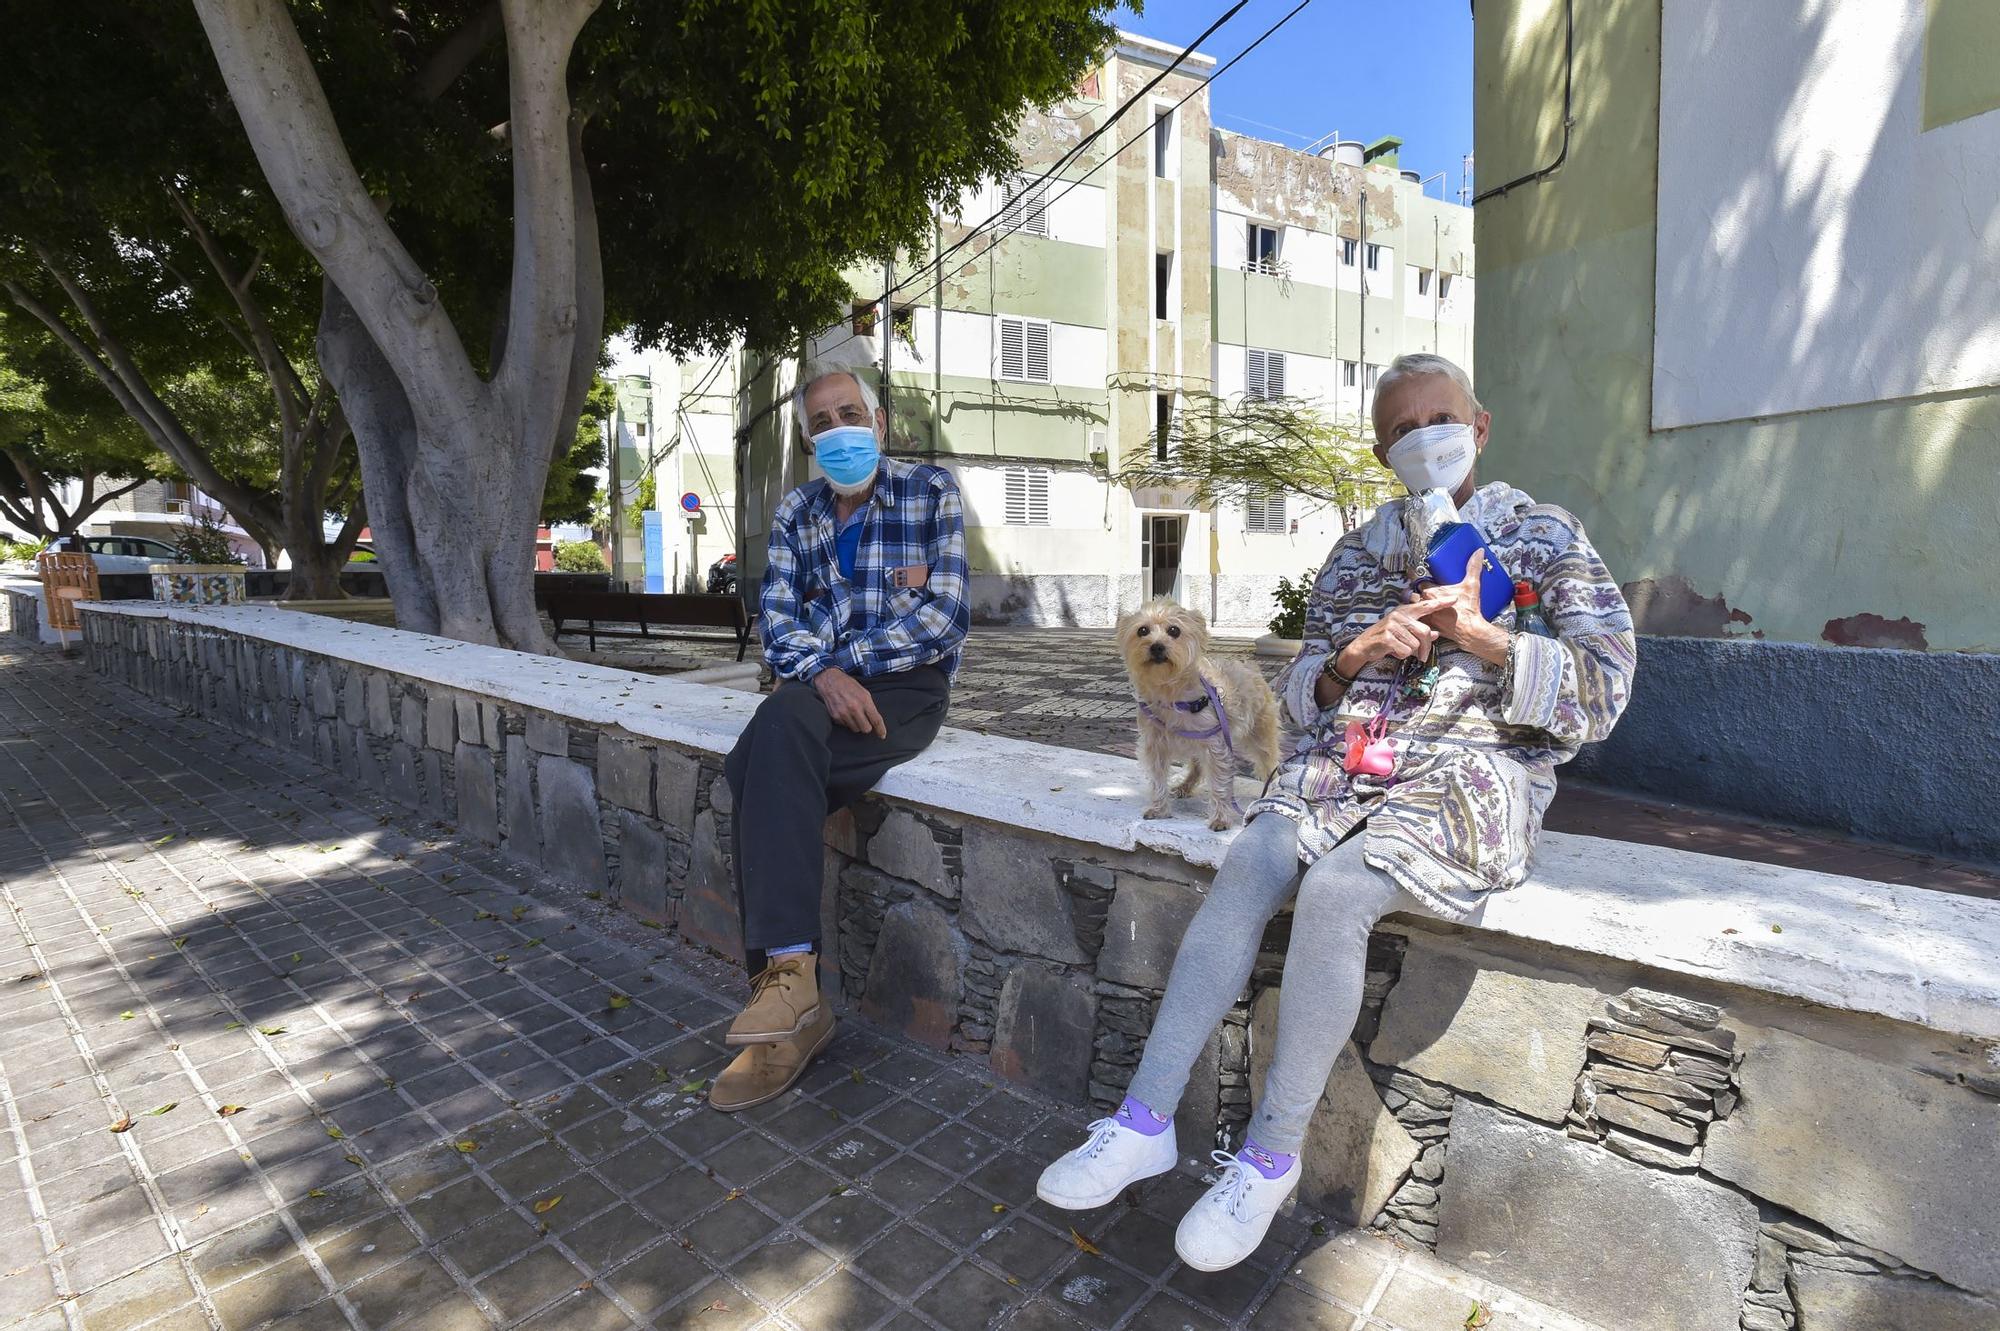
(847, 454)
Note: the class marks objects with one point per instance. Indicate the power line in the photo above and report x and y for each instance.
(1002, 234)
(1087, 139)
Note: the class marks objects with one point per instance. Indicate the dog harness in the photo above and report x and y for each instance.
(1208, 702)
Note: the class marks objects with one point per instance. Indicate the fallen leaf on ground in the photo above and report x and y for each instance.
(468, 1146)
(155, 1113)
(534, 942)
(227, 1110)
(1478, 1317)
(233, 1026)
(718, 1306)
(500, 956)
(690, 1087)
(125, 1016)
(661, 1075)
(316, 1192)
(336, 1134)
(270, 1030)
(180, 942)
(594, 896)
(297, 957)
(1777, 929)
(123, 1125)
(854, 1075)
(619, 1001)
(520, 913)
(484, 915)
(999, 1208)
(1083, 1244)
(548, 1204)
(733, 1194)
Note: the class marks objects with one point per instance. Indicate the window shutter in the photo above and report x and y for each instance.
(1035, 365)
(1011, 348)
(1253, 374)
(1264, 512)
(1027, 206)
(1027, 497)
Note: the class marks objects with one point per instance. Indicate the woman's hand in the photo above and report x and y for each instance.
(1454, 613)
(1399, 634)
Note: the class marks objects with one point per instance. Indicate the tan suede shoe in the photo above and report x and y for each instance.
(784, 1000)
(766, 1071)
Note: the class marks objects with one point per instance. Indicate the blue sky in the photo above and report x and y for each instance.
(1363, 67)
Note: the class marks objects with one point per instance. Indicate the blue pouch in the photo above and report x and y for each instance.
(1451, 550)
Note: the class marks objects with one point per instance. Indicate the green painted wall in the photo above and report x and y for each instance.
(1049, 279)
(1286, 316)
(1792, 527)
(982, 418)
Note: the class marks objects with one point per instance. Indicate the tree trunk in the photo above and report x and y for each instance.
(453, 465)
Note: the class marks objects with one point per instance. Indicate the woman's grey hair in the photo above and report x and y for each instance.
(815, 374)
(1424, 362)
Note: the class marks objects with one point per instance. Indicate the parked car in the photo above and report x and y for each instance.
(128, 554)
(722, 576)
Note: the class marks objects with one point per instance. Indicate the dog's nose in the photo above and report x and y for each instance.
(1158, 651)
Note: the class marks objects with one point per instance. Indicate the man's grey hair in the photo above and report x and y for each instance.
(813, 375)
(1418, 363)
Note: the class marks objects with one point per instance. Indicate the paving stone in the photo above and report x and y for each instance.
(1143, 931)
(841, 1302)
(537, 1279)
(1818, 1129)
(904, 847)
(1043, 1031)
(1356, 1153)
(661, 1275)
(1610, 1240)
(915, 977)
(1512, 1034)
(1830, 1300)
(968, 1296)
(572, 841)
(1011, 899)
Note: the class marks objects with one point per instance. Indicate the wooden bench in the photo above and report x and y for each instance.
(648, 610)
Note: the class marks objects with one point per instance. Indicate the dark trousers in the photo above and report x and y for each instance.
(794, 765)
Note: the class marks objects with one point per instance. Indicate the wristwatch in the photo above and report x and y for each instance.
(1331, 668)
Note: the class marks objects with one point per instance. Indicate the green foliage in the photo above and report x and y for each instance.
(55, 428)
(580, 557)
(19, 552)
(648, 497)
(572, 490)
(752, 149)
(1225, 450)
(201, 541)
(1291, 599)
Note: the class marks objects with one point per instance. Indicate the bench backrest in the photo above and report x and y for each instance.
(653, 607)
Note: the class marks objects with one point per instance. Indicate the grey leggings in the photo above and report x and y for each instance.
(1339, 901)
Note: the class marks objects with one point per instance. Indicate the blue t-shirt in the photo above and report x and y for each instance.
(847, 543)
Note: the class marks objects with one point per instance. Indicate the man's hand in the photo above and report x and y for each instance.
(1454, 613)
(848, 703)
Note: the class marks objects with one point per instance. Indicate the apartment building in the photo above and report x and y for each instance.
(672, 467)
(1050, 344)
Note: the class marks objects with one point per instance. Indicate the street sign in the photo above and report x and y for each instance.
(690, 503)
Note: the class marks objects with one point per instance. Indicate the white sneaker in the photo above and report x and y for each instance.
(1232, 1217)
(1112, 1160)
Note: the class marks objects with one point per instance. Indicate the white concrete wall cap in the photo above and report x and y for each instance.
(1908, 953)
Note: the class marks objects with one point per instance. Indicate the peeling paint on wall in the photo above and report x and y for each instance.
(1870, 630)
(1673, 608)
(1280, 184)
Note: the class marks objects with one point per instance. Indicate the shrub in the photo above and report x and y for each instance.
(23, 552)
(580, 557)
(202, 541)
(1291, 598)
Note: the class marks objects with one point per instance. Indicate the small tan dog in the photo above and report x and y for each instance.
(1205, 713)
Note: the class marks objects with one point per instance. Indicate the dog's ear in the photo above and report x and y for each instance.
(1127, 622)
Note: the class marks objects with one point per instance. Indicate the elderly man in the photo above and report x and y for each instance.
(1476, 716)
(864, 612)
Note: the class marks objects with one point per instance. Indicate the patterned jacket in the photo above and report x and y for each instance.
(1475, 765)
(813, 618)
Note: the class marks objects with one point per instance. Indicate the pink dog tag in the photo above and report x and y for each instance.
(1366, 753)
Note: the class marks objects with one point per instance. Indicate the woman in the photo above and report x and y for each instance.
(1474, 744)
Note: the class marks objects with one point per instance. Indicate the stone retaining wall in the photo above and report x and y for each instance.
(1666, 1145)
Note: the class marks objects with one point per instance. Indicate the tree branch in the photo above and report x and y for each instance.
(456, 53)
(286, 386)
(292, 131)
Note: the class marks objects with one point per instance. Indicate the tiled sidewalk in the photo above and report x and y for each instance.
(376, 1077)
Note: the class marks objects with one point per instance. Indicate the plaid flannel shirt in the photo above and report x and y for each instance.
(813, 618)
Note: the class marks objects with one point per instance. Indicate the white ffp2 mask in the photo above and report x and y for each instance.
(1436, 457)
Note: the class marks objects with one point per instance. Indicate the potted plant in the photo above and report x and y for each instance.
(206, 568)
(1288, 626)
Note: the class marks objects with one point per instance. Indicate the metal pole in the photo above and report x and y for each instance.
(888, 345)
